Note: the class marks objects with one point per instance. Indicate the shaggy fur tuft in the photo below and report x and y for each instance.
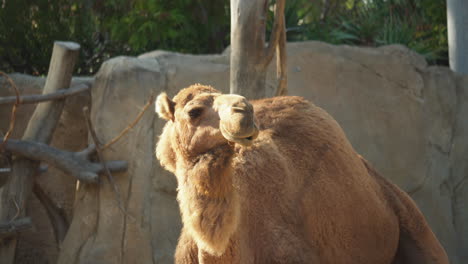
(209, 205)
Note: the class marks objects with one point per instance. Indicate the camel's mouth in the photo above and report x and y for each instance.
(236, 119)
(242, 140)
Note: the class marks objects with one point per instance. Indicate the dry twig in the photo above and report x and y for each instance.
(18, 210)
(131, 125)
(281, 65)
(101, 159)
(13, 110)
(75, 164)
(275, 32)
(56, 215)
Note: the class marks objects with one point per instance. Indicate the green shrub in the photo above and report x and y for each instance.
(28, 29)
(418, 24)
(108, 28)
(179, 25)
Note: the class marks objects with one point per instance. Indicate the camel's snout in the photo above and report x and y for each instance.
(236, 119)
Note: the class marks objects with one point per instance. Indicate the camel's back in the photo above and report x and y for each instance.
(303, 133)
(296, 121)
(303, 175)
(312, 147)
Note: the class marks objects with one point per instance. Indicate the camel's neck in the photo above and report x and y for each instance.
(208, 201)
(210, 174)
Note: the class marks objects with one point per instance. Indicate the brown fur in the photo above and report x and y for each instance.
(299, 194)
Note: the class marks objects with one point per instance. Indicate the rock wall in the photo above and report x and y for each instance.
(404, 116)
(146, 229)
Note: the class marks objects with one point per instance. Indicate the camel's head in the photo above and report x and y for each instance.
(200, 118)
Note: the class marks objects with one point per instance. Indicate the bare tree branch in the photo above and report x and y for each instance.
(275, 32)
(56, 214)
(16, 102)
(76, 164)
(37, 98)
(72, 163)
(13, 227)
(87, 152)
(101, 159)
(281, 64)
(131, 125)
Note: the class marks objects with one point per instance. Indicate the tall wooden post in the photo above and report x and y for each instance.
(249, 55)
(40, 128)
(248, 24)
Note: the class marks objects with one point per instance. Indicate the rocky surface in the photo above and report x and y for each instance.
(404, 116)
(146, 228)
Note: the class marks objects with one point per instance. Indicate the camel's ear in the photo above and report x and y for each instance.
(165, 107)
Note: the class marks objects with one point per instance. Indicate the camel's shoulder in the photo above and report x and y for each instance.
(281, 104)
(294, 116)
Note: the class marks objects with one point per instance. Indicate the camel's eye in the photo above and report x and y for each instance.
(195, 112)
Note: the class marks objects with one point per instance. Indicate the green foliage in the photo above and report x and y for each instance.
(418, 24)
(179, 25)
(108, 28)
(28, 29)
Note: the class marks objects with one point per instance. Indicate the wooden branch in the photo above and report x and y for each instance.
(37, 98)
(275, 34)
(45, 117)
(281, 64)
(11, 228)
(56, 214)
(75, 164)
(247, 64)
(87, 152)
(98, 146)
(40, 128)
(16, 102)
(92, 132)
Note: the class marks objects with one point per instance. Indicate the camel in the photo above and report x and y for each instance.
(276, 181)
